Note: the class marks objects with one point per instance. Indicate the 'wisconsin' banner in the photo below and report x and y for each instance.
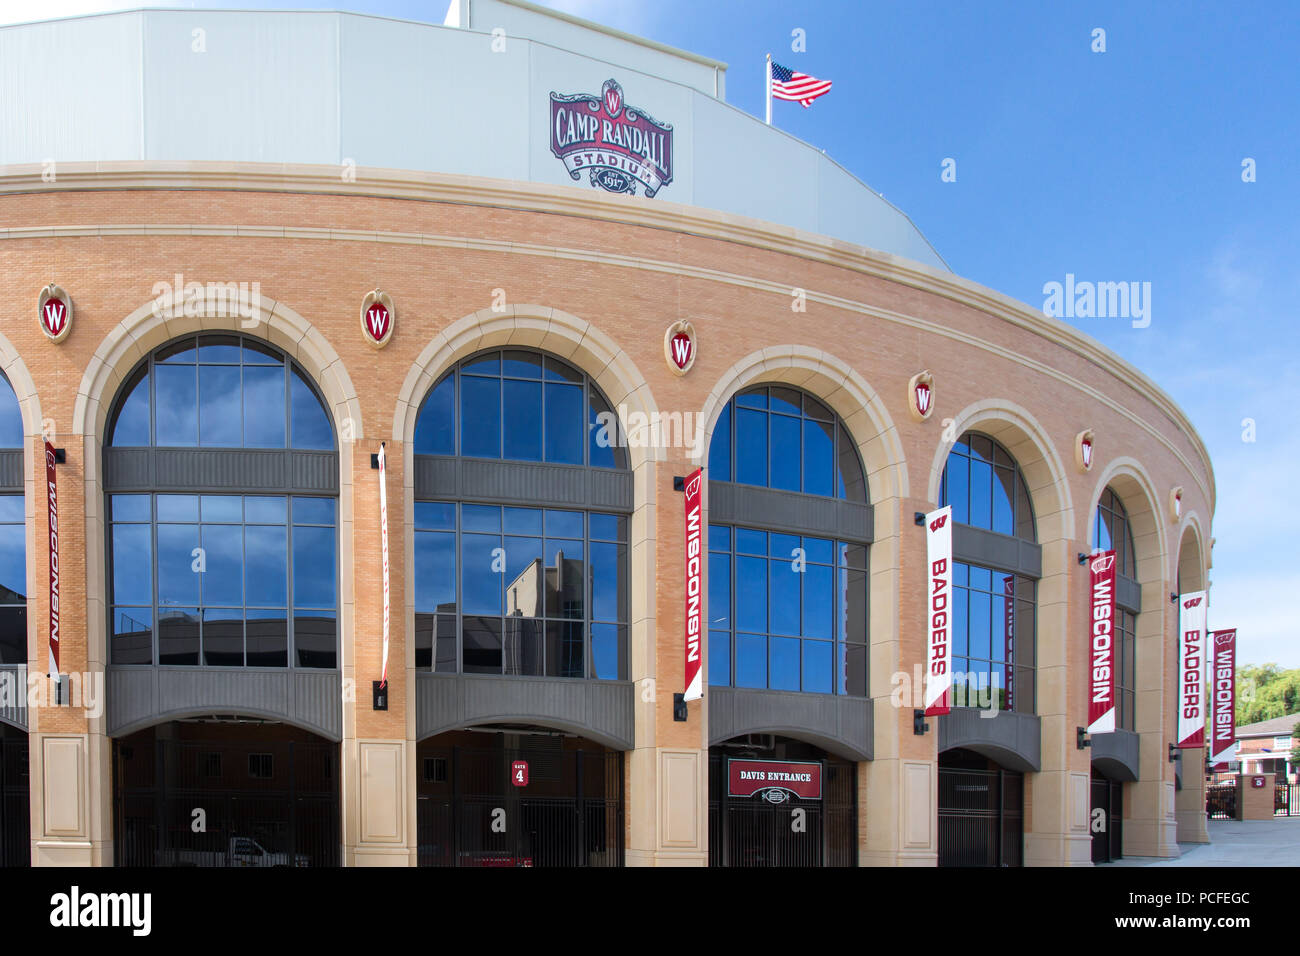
(1101, 643)
(1191, 669)
(938, 611)
(383, 547)
(694, 683)
(52, 494)
(1223, 696)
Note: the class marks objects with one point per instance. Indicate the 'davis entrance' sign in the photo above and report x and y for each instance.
(616, 144)
(776, 780)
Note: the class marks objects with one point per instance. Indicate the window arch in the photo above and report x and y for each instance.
(13, 531)
(775, 436)
(517, 405)
(221, 552)
(787, 602)
(522, 569)
(1111, 530)
(994, 593)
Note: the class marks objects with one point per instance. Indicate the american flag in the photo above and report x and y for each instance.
(797, 87)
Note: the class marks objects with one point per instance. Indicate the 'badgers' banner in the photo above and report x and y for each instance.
(1101, 643)
(694, 685)
(1191, 669)
(938, 611)
(1223, 696)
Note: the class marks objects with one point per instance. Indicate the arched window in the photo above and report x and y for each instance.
(520, 559)
(787, 574)
(994, 577)
(1111, 531)
(222, 511)
(13, 531)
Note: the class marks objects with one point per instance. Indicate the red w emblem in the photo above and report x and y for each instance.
(938, 522)
(922, 397)
(613, 98)
(681, 347)
(54, 315)
(377, 322)
(1192, 603)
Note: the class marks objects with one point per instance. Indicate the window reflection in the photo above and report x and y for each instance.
(985, 487)
(993, 639)
(13, 578)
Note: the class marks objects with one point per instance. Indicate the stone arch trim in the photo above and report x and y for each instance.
(1195, 560)
(132, 339)
(155, 720)
(1132, 483)
(533, 327)
(840, 386)
(1035, 454)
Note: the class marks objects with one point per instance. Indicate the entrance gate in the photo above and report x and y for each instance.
(15, 818)
(1107, 819)
(545, 802)
(214, 802)
(752, 831)
(981, 812)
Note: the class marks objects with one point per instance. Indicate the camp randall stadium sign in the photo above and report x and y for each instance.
(616, 145)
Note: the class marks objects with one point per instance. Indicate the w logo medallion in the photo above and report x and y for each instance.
(679, 346)
(54, 311)
(378, 318)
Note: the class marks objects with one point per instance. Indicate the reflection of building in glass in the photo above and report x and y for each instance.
(544, 606)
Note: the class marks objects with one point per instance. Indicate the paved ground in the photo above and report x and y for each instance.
(1237, 843)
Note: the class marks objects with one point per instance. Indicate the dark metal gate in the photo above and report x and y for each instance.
(1221, 801)
(751, 832)
(981, 817)
(1286, 800)
(15, 813)
(472, 811)
(211, 803)
(1107, 819)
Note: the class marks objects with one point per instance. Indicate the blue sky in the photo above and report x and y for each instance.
(1115, 166)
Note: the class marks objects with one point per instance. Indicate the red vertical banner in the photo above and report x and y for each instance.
(1101, 643)
(52, 490)
(383, 548)
(1223, 697)
(938, 611)
(1009, 641)
(694, 535)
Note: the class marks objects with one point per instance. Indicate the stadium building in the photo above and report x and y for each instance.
(548, 272)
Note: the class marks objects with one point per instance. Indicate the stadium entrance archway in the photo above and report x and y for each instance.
(777, 801)
(1106, 821)
(226, 791)
(518, 796)
(981, 811)
(15, 806)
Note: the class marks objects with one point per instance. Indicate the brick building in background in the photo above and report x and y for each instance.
(216, 192)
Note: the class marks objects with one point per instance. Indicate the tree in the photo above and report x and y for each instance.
(1265, 691)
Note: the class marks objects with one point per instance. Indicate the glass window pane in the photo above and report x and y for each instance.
(818, 664)
(563, 524)
(957, 486)
(1003, 491)
(720, 590)
(603, 450)
(564, 421)
(182, 351)
(266, 566)
(263, 407)
(178, 636)
(523, 420)
(960, 622)
(815, 409)
(177, 422)
(719, 658)
(219, 349)
(487, 364)
(435, 514)
(784, 453)
(818, 550)
(178, 508)
(226, 509)
(435, 571)
(751, 447)
(129, 507)
(788, 401)
(608, 582)
(13, 563)
(530, 585)
(264, 509)
(480, 583)
(749, 541)
(313, 567)
(755, 397)
(482, 651)
(481, 518)
(565, 650)
(219, 406)
(223, 637)
(751, 660)
(719, 538)
(1024, 511)
(979, 625)
(223, 574)
(784, 597)
(435, 426)
(607, 643)
(818, 458)
(309, 420)
(784, 663)
(853, 616)
(132, 637)
(13, 634)
(315, 638)
(267, 637)
(751, 594)
(981, 494)
(132, 564)
(258, 353)
(480, 417)
(852, 677)
(445, 660)
(720, 448)
(178, 564)
(784, 546)
(818, 601)
(313, 510)
(558, 371)
(518, 364)
(607, 527)
(132, 425)
(564, 569)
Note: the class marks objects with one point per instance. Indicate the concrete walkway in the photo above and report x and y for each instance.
(1236, 843)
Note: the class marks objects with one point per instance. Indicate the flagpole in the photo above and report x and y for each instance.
(768, 82)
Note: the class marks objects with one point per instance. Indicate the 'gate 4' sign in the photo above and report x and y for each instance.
(519, 773)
